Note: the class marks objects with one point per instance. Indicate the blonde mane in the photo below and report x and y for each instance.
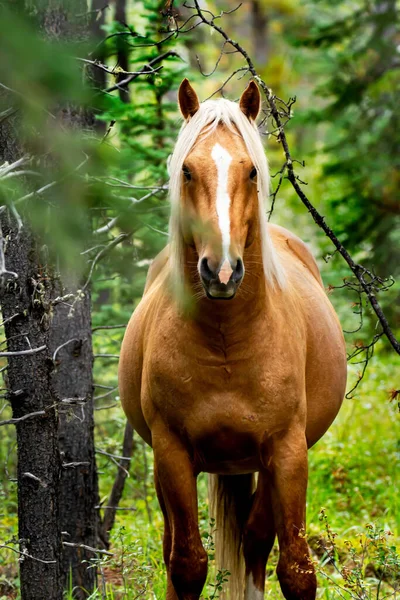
(210, 114)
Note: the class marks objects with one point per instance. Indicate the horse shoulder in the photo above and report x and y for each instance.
(288, 241)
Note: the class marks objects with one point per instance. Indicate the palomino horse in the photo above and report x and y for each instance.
(248, 377)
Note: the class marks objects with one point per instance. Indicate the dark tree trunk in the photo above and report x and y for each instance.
(27, 321)
(118, 485)
(71, 340)
(71, 346)
(259, 32)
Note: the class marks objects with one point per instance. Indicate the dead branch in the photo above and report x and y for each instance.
(102, 327)
(20, 352)
(38, 413)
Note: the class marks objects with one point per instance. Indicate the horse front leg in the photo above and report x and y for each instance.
(184, 555)
(287, 462)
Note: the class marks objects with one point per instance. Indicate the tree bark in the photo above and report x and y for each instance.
(71, 346)
(27, 320)
(72, 377)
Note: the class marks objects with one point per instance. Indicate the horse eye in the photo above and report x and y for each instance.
(253, 173)
(187, 174)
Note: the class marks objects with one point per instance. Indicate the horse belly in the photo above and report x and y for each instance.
(227, 445)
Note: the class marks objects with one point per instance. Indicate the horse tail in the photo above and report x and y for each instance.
(230, 498)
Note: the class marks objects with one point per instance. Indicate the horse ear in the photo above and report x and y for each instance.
(250, 101)
(188, 101)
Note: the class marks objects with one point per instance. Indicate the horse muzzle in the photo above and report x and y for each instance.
(221, 283)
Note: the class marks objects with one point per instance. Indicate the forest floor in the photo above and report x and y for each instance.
(353, 507)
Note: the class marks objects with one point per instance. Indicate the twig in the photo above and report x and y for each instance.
(89, 548)
(25, 554)
(62, 346)
(46, 187)
(106, 394)
(118, 464)
(115, 71)
(145, 70)
(106, 407)
(102, 507)
(38, 413)
(21, 352)
(111, 455)
(101, 327)
(103, 251)
(106, 228)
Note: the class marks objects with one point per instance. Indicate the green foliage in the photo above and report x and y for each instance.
(354, 50)
(368, 568)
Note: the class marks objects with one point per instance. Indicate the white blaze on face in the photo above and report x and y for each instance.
(252, 592)
(223, 159)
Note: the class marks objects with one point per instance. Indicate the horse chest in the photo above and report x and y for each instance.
(224, 397)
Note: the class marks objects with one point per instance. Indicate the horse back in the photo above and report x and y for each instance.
(285, 240)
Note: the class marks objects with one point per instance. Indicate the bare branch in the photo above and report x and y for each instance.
(145, 70)
(114, 389)
(103, 251)
(62, 346)
(48, 186)
(102, 327)
(38, 413)
(116, 71)
(89, 548)
(24, 554)
(111, 455)
(34, 478)
(102, 507)
(21, 352)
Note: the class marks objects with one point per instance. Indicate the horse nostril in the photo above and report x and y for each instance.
(206, 273)
(238, 273)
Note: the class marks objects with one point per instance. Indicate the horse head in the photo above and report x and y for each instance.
(219, 196)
